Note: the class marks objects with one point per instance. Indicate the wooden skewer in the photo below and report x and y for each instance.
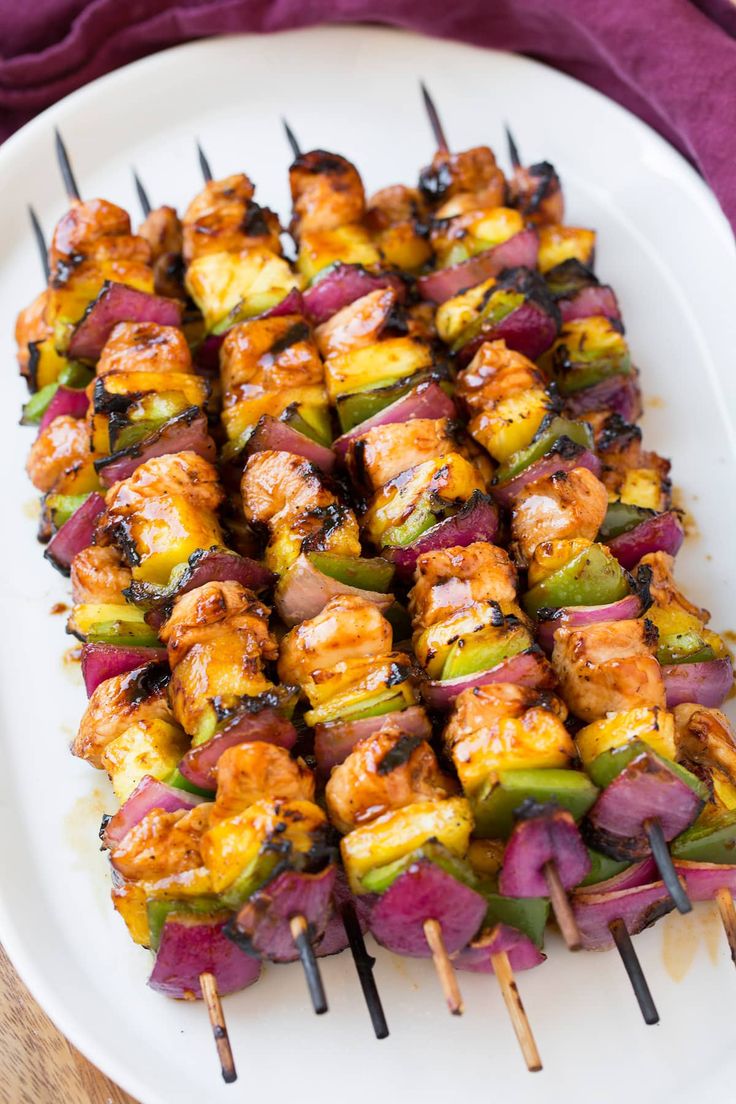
(434, 120)
(443, 966)
(663, 859)
(300, 935)
(40, 242)
(65, 165)
(727, 909)
(561, 907)
(292, 139)
(513, 149)
(516, 1010)
(630, 959)
(142, 195)
(204, 164)
(219, 1027)
(364, 964)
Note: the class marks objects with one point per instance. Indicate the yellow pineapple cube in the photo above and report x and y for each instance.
(563, 243)
(655, 727)
(511, 424)
(382, 363)
(349, 244)
(253, 281)
(152, 747)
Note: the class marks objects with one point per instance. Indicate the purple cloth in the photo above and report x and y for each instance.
(670, 61)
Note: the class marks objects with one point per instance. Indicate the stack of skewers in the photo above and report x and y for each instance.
(374, 579)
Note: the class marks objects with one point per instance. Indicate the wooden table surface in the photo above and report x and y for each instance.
(37, 1064)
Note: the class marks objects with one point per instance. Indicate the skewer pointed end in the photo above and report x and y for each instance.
(142, 195)
(40, 241)
(65, 166)
(434, 119)
(513, 149)
(204, 164)
(291, 139)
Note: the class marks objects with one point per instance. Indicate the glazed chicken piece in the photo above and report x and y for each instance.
(138, 695)
(179, 474)
(99, 575)
(326, 192)
(271, 354)
(452, 578)
(163, 232)
(60, 450)
(218, 640)
(162, 844)
(705, 741)
(94, 229)
(30, 327)
(254, 771)
(494, 373)
(385, 771)
(608, 667)
(144, 347)
(348, 628)
(224, 218)
(397, 218)
(361, 323)
(382, 453)
(556, 507)
(472, 171)
(663, 589)
(536, 192)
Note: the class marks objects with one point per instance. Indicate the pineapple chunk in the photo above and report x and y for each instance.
(474, 231)
(403, 247)
(655, 727)
(457, 313)
(352, 679)
(384, 688)
(78, 479)
(234, 843)
(511, 423)
(469, 628)
(642, 487)
(349, 244)
(242, 414)
(194, 388)
(287, 540)
(129, 900)
(382, 363)
(44, 363)
(563, 243)
(147, 747)
(84, 617)
(253, 281)
(550, 556)
(166, 531)
(398, 833)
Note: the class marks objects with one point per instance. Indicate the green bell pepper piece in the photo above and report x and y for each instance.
(422, 518)
(611, 763)
(160, 910)
(38, 404)
(713, 841)
(473, 653)
(380, 878)
(312, 421)
(527, 914)
(687, 647)
(578, 432)
(588, 361)
(493, 807)
(592, 578)
(621, 517)
(357, 407)
(602, 867)
(132, 633)
(59, 508)
(180, 782)
(366, 574)
(383, 701)
(76, 375)
(255, 875)
(499, 305)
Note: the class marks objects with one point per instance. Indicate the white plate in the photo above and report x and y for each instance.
(667, 250)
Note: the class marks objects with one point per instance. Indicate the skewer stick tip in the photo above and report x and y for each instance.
(142, 194)
(517, 1012)
(65, 167)
(434, 119)
(204, 164)
(663, 859)
(211, 998)
(561, 907)
(443, 966)
(291, 139)
(40, 241)
(727, 909)
(300, 935)
(630, 959)
(513, 148)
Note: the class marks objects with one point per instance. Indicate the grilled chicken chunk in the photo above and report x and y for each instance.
(608, 667)
(138, 695)
(94, 228)
(162, 844)
(326, 192)
(664, 590)
(182, 474)
(472, 171)
(494, 373)
(348, 628)
(536, 191)
(31, 326)
(385, 771)
(706, 743)
(162, 230)
(224, 218)
(218, 640)
(397, 219)
(360, 324)
(145, 347)
(58, 453)
(268, 353)
(556, 507)
(99, 575)
(255, 771)
(386, 451)
(452, 578)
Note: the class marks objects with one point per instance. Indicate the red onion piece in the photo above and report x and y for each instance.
(103, 661)
(529, 668)
(192, 945)
(638, 907)
(589, 302)
(428, 400)
(477, 957)
(267, 725)
(75, 534)
(304, 591)
(334, 938)
(118, 303)
(334, 742)
(66, 401)
(342, 286)
(644, 790)
(552, 836)
(149, 794)
(505, 493)
(424, 892)
(708, 683)
(476, 521)
(638, 874)
(207, 357)
(262, 925)
(619, 394)
(626, 609)
(271, 434)
(703, 880)
(521, 250)
(662, 533)
(187, 432)
(529, 330)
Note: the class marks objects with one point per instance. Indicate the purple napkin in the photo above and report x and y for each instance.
(670, 61)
